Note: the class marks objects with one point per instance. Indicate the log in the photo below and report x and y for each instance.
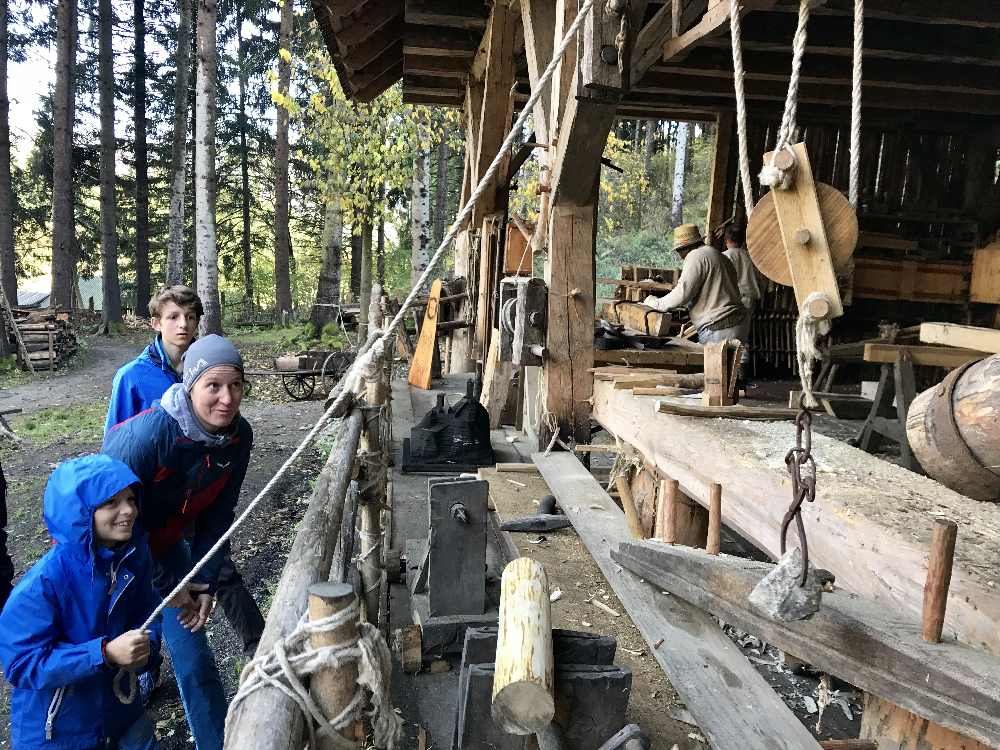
(953, 430)
(522, 685)
(638, 317)
(268, 719)
(628, 505)
(714, 542)
(938, 579)
(333, 689)
(968, 337)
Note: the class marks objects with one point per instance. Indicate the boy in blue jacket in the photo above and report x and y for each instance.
(174, 313)
(71, 623)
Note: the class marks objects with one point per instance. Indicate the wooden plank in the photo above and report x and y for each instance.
(646, 320)
(930, 356)
(864, 507)
(967, 337)
(895, 728)
(878, 650)
(713, 23)
(651, 286)
(496, 382)
(810, 262)
(733, 705)
(718, 180)
(458, 14)
(687, 408)
(538, 19)
(985, 286)
(420, 367)
(665, 357)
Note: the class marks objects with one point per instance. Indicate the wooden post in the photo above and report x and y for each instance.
(628, 505)
(268, 718)
(718, 181)
(523, 675)
(714, 519)
(895, 728)
(938, 579)
(666, 513)
(333, 689)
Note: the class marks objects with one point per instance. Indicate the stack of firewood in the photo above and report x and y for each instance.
(48, 336)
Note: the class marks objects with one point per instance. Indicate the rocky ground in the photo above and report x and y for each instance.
(63, 416)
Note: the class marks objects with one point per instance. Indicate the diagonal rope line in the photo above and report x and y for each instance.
(375, 346)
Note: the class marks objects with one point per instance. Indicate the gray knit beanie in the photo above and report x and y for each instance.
(208, 352)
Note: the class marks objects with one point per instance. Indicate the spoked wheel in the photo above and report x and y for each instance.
(299, 387)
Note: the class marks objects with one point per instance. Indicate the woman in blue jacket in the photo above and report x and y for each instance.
(191, 452)
(70, 623)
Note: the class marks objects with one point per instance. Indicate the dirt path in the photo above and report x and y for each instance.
(259, 548)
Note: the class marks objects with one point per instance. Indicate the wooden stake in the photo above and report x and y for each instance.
(666, 513)
(628, 505)
(714, 519)
(938, 579)
(333, 689)
(523, 675)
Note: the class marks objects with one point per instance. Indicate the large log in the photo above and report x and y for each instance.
(268, 719)
(871, 523)
(522, 686)
(954, 432)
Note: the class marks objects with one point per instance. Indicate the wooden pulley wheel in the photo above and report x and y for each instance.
(764, 233)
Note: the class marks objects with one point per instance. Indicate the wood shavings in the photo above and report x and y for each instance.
(605, 608)
(521, 485)
(555, 595)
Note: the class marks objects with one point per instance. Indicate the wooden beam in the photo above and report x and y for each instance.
(932, 356)
(538, 18)
(878, 650)
(372, 18)
(380, 83)
(458, 14)
(449, 67)
(968, 337)
(719, 176)
(428, 40)
(646, 357)
(713, 23)
(864, 506)
(981, 14)
(361, 55)
(732, 704)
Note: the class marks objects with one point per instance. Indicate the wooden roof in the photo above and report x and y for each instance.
(921, 57)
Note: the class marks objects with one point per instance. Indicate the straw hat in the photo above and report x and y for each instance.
(687, 235)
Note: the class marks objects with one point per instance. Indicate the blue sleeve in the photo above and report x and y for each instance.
(217, 518)
(121, 405)
(32, 653)
(130, 444)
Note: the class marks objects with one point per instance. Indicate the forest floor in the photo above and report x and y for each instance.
(63, 416)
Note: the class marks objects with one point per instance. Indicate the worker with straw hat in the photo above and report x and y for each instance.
(708, 288)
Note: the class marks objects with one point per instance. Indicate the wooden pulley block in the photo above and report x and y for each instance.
(764, 239)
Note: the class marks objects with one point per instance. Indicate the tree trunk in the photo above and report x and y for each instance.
(356, 252)
(206, 251)
(244, 160)
(63, 254)
(328, 286)
(380, 251)
(178, 149)
(420, 209)
(441, 190)
(647, 150)
(8, 274)
(366, 279)
(111, 310)
(680, 162)
(141, 165)
(282, 238)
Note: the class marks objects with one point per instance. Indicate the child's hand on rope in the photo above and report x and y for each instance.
(128, 651)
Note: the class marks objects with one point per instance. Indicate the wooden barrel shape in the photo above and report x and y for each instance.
(954, 430)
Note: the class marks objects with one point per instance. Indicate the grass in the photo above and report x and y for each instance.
(294, 337)
(81, 423)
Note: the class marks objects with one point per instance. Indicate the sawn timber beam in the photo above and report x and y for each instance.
(878, 649)
(733, 705)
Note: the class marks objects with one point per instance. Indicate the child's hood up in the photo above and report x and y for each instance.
(78, 487)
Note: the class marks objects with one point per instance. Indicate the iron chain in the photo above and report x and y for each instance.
(802, 469)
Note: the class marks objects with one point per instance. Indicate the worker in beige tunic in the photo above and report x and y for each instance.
(751, 281)
(708, 288)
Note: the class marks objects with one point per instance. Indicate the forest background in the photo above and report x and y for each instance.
(209, 142)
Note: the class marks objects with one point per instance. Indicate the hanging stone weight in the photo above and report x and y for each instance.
(779, 594)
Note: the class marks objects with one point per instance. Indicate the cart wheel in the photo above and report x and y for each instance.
(299, 387)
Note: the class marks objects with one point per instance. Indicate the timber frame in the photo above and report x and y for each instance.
(931, 136)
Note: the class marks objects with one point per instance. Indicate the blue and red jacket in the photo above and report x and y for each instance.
(185, 484)
(139, 383)
(58, 618)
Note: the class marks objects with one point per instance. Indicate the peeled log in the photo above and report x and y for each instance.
(954, 430)
(522, 681)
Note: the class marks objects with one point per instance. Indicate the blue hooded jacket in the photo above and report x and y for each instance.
(139, 383)
(58, 616)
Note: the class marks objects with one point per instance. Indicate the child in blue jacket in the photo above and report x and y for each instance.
(70, 624)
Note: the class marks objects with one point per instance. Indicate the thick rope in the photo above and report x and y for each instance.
(770, 175)
(807, 330)
(859, 43)
(736, 34)
(293, 659)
